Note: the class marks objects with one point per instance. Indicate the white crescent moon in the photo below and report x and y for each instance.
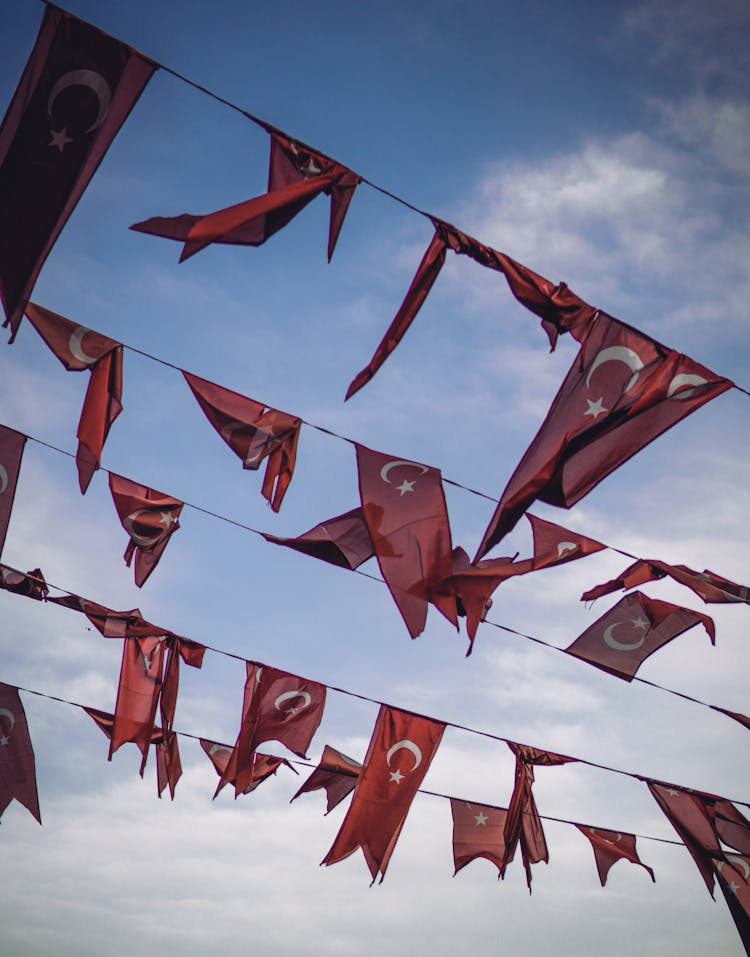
(227, 431)
(10, 716)
(563, 548)
(144, 540)
(410, 746)
(3, 479)
(593, 830)
(618, 354)
(392, 465)
(742, 597)
(676, 385)
(288, 695)
(219, 747)
(94, 81)
(741, 863)
(619, 645)
(76, 347)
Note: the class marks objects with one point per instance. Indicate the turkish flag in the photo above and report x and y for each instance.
(555, 545)
(277, 706)
(138, 694)
(296, 175)
(17, 764)
(709, 586)
(262, 765)
(622, 391)
(149, 517)
(77, 89)
(252, 431)
(621, 640)
(31, 584)
(400, 752)
(342, 540)
(336, 773)
(478, 831)
(79, 349)
(405, 512)
(11, 452)
(734, 880)
(191, 652)
(610, 847)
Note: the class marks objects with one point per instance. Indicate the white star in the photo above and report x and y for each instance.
(640, 623)
(311, 169)
(734, 888)
(166, 519)
(672, 793)
(60, 138)
(481, 819)
(3, 740)
(397, 776)
(405, 486)
(595, 409)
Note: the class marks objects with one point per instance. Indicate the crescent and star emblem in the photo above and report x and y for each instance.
(289, 696)
(266, 436)
(405, 486)
(565, 548)
(12, 718)
(98, 86)
(609, 638)
(75, 344)
(623, 354)
(735, 861)
(146, 541)
(3, 479)
(618, 838)
(677, 390)
(397, 776)
(218, 747)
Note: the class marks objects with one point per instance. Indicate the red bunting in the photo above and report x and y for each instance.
(343, 540)
(733, 876)
(478, 831)
(262, 765)
(17, 764)
(11, 452)
(32, 584)
(77, 89)
(336, 774)
(555, 545)
(610, 847)
(709, 586)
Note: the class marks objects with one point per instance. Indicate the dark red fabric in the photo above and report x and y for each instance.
(149, 517)
(555, 545)
(343, 540)
(401, 750)
(621, 640)
(336, 773)
(11, 452)
(77, 347)
(253, 431)
(610, 847)
(31, 584)
(622, 391)
(712, 588)
(478, 831)
(734, 880)
(262, 765)
(17, 764)
(137, 694)
(404, 508)
(77, 89)
(743, 719)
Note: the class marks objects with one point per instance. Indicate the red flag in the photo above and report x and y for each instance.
(137, 694)
(709, 586)
(297, 174)
(405, 512)
(77, 89)
(478, 831)
(17, 765)
(736, 715)
(79, 348)
(32, 584)
(262, 765)
(191, 652)
(343, 540)
(400, 752)
(621, 640)
(734, 880)
(252, 431)
(622, 391)
(610, 847)
(149, 517)
(277, 706)
(336, 773)
(555, 545)
(11, 453)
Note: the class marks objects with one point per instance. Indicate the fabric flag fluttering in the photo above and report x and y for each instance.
(336, 773)
(610, 847)
(478, 831)
(17, 764)
(31, 584)
(637, 626)
(149, 517)
(709, 586)
(733, 876)
(401, 750)
(623, 390)
(342, 540)
(254, 432)
(77, 89)
(11, 452)
(262, 765)
(555, 545)
(79, 349)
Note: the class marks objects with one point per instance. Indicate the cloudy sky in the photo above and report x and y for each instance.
(604, 145)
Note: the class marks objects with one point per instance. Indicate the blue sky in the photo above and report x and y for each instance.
(600, 144)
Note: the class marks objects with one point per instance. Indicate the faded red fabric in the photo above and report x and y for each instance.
(404, 508)
(621, 640)
(77, 89)
(297, 174)
(424, 278)
(734, 880)
(555, 545)
(610, 847)
(622, 391)
(149, 517)
(17, 764)
(79, 349)
(336, 773)
(11, 452)
(138, 694)
(31, 584)
(262, 765)
(478, 831)
(709, 586)
(743, 719)
(401, 750)
(342, 540)
(277, 706)
(253, 431)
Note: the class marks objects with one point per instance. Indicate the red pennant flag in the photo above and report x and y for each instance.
(77, 89)
(191, 652)
(621, 640)
(405, 512)
(79, 349)
(138, 694)
(11, 452)
(343, 540)
(17, 764)
(622, 391)
(734, 880)
(555, 545)
(149, 517)
(709, 586)
(32, 584)
(277, 706)
(297, 174)
(401, 750)
(336, 773)
(263, 765)
(741, 718)
(610, 847)
(252, 431)
(478, 831)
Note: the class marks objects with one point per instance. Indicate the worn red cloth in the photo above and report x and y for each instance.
(478, 831)
(17, 764)
(11, 452)
(336, 773)
(709, 586)
(342, 540)
(610, 847)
